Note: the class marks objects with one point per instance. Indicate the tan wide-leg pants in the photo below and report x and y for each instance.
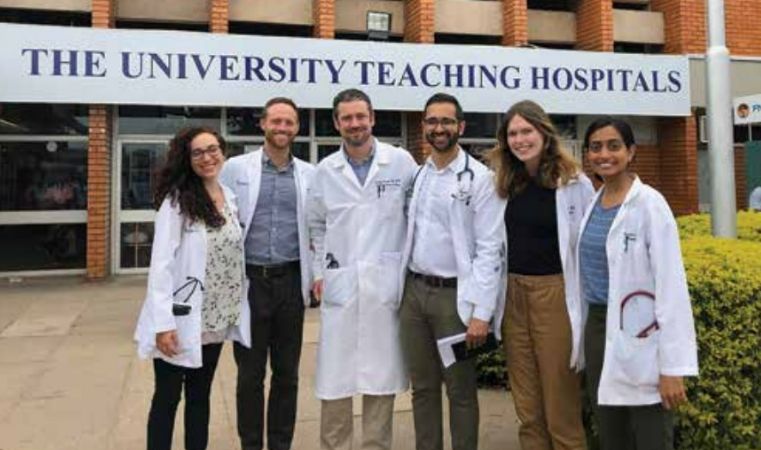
(537, 336)
(337, 423)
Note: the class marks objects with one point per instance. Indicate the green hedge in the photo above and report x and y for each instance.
(724, 277)
(748, 226)
(724, 411)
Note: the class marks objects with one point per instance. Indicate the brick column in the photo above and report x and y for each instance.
(594, 25)
(514, 22)
(324, 17)
(684, 23)
(99, 168)
(743, 32)
(103, 13)
(99, 193)
(419, 16)
(677, 139)
(219, 16)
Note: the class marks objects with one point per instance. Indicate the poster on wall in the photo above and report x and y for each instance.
(747, 109)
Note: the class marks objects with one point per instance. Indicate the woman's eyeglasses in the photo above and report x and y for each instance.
(212, 150)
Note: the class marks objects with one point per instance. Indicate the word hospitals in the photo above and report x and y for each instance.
(181, 66)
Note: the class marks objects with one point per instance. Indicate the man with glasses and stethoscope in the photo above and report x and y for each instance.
(452, 260)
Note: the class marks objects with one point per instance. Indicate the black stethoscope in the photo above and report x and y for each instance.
(463, 188)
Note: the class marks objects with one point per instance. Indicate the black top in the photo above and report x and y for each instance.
(532, 232)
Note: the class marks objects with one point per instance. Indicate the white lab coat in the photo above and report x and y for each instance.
(571, 201)
(362, 228)
(644, 254)
(243, 174)
(477, 231)
(179, 251)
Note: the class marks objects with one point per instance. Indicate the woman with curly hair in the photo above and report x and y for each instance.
(547, 194)
(195, 286)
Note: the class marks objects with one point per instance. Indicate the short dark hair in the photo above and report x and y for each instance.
(279, 101)
(350, 95)
(623, 128)
(441, 97)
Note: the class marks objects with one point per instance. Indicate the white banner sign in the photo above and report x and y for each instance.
(84, 65)
(747, 109)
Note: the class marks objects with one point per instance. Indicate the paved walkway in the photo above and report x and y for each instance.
(69, 377)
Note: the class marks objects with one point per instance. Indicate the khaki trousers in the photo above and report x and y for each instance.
(427, 314)
(337, 423)
(538, 342)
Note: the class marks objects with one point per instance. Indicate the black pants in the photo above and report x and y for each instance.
(170, 380)
(277, 323)
(646, 427)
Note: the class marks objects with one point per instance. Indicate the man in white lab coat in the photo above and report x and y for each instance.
(454, 259)
(271, 188)
(357, 225)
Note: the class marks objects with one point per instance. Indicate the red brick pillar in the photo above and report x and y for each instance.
(677, 139)
(514, 22)
(324, 17)
(594, 25)
(99, 168)
(418, 28)
(219, 16)
(743, 33)
(684, 23)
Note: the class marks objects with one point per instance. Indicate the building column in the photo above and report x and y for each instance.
(514, 23)
(324, 18)
(594, 25)
(684, 23)
(677, 140)
(419, 19)
(99, 157)
(219, 16)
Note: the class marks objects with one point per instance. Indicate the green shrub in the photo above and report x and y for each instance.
(491, 368)
(748, 226)
(724, 278)
(724, 411)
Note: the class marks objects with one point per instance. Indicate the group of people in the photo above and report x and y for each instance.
(401, 256)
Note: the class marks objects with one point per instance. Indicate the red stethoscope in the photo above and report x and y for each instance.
(646, 331)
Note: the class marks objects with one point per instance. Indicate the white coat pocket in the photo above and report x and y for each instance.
(636, 359)
(388, 282)
(339, 287)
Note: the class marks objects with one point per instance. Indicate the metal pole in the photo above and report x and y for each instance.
(720, 142)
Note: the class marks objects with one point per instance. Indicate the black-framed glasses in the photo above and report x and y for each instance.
(212, 150)
(443, 121)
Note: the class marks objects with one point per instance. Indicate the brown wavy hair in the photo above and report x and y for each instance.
(511, 176)
(177, 180)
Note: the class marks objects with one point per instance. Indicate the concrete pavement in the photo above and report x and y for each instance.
(70, 379)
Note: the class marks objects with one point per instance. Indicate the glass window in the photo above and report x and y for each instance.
(28, 118)
(245, 122)
(140, 162)
(46, 175)
(478, 125)
(43, 247)
(388, 123)
(325, 150)
(477, 151)
(136, 243)
(139, 119)
(323, 123)
(566, 125)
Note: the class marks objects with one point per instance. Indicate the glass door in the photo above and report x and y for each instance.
(137, 164)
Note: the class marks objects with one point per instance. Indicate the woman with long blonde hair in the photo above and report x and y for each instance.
(547, 193)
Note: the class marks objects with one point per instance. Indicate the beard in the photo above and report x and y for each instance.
(451, 142)
(358, 140)
(274, 140)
